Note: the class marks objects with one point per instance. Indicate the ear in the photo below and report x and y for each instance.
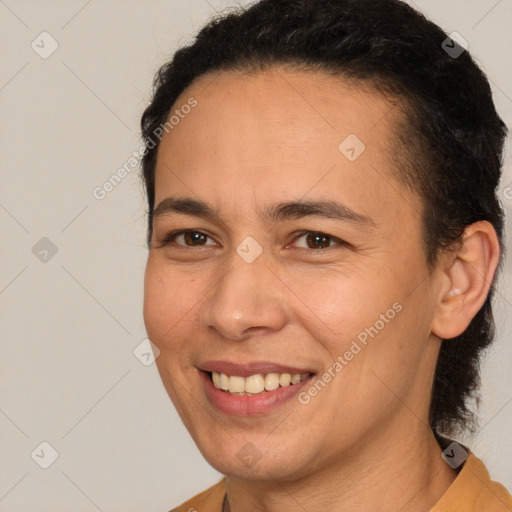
(465, 280)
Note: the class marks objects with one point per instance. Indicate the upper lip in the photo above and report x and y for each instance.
(250, 368)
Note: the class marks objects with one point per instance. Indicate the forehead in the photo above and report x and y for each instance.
(296, 108)
(281, 134)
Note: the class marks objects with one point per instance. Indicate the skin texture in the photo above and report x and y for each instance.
(363, 443)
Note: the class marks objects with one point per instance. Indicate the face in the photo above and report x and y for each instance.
(305, 259)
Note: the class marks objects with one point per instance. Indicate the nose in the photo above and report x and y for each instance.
(247, 299)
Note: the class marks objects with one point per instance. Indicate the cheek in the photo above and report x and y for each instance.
(169, 296)
(340, 302)
(362, 316)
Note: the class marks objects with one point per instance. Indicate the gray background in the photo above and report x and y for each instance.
(71, 320)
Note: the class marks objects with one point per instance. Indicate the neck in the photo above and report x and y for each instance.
(408, 475)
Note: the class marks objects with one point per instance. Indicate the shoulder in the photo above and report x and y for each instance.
(210, 500)
(473, 490)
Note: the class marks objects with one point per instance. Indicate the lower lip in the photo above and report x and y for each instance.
(249, 405)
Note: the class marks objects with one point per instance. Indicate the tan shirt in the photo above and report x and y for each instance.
(471, 491)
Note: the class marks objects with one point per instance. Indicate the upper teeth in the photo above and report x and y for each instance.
(255, 383)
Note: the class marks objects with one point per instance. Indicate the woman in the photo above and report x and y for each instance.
(324, 241)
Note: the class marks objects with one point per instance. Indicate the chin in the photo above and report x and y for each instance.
(242, 459)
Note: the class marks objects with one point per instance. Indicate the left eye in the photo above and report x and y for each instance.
(314, 239)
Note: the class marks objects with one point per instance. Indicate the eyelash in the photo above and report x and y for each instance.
(172, 236)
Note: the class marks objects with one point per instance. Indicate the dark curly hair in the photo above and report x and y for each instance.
(448, 149)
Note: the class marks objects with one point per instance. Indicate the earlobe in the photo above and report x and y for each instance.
(466, 280)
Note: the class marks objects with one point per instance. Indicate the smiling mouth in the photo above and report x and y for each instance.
(255, 384)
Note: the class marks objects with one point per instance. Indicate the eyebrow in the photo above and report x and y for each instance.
(273, 213)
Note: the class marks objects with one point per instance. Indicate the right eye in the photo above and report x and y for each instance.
(189, 236)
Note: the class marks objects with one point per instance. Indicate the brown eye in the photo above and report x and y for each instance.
(318, 240)
(190, 237)
(194, 237)
(315, 239)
